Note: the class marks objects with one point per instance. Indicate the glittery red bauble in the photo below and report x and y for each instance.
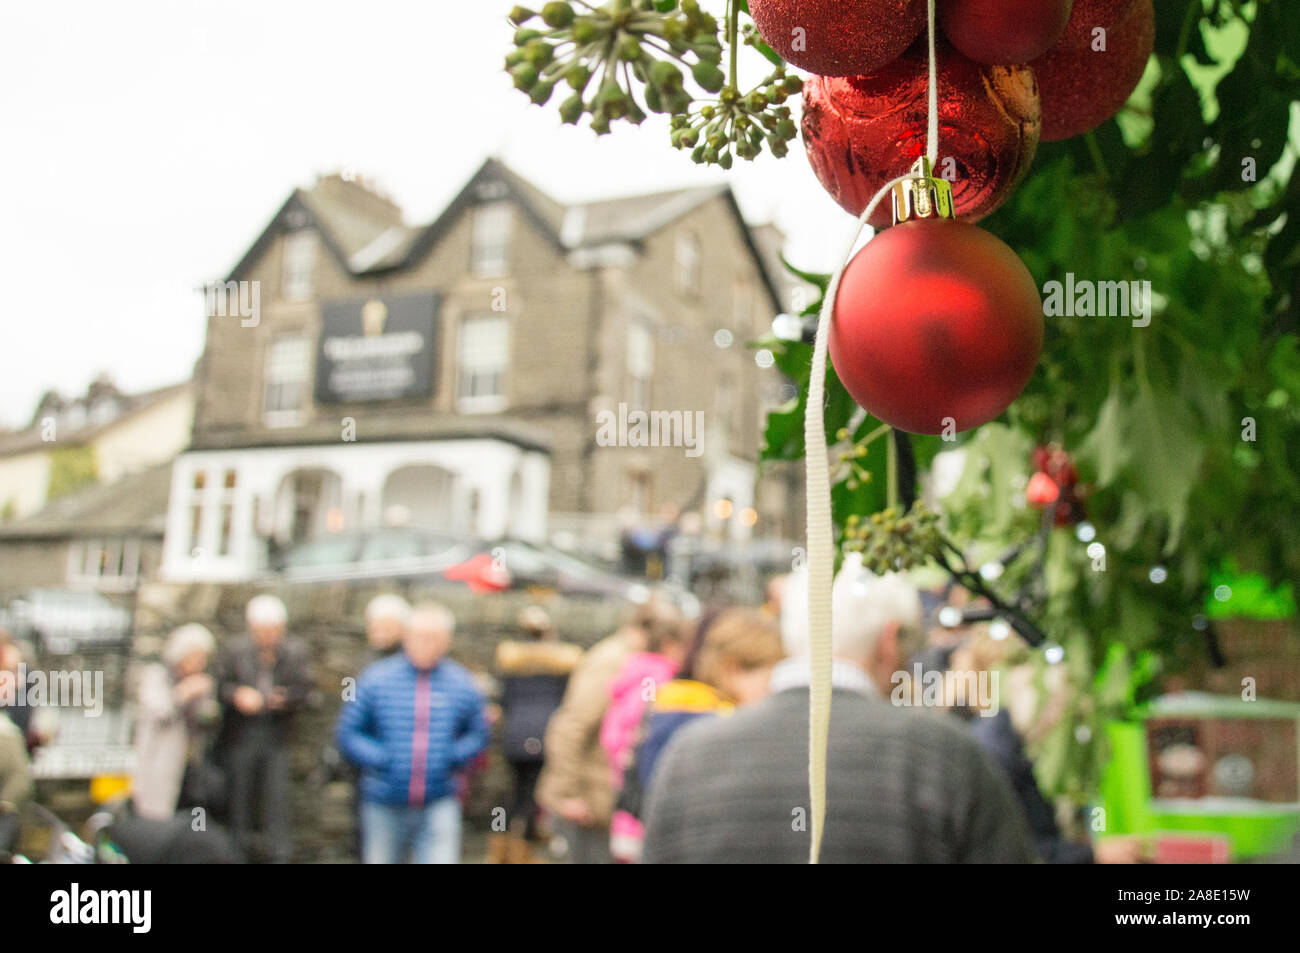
(1087, 16)
(1082, 88)
(838, 37)
(862, 131)
(1003, 31)
(936, 319)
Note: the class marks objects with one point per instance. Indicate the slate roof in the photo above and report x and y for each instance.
(30, 438)
(367, 238)
(133, 505)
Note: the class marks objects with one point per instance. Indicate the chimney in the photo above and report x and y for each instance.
(359, 193)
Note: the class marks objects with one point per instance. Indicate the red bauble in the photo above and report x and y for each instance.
(862, 131)
(936, 319)
(1087, 16)
(1042, 490)
(1056, 484)
(1003, 31)
(1081, 87)
(838, 37)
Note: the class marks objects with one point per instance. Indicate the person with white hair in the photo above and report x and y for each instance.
(417, 719)
(263, 681)
(175, 706)
(387, 615)
(901, 787)
(877, 626)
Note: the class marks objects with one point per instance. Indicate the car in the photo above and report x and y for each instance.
(485, 565)
(371, 554)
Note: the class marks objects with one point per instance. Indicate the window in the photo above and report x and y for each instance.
(639, 492)
(742, 304)
(227, 513)
(299, 263)
(112, 564)
(490, 241)
(288, 366)
(102, 411)
(724, 408)
(484, 358)
(196, 510)
(640, 364)
(688, 264)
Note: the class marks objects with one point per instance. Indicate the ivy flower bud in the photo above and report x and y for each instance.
(557, 14)
(571, 109)
(708, 76)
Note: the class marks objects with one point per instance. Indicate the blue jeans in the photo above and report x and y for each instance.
(430, 834)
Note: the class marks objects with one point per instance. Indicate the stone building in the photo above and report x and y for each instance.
(485, 374)
(101, 436)
(84, 488)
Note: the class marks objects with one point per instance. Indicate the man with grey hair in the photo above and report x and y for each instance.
(387, 615)
(416, 720)
(262, 679)
(901, 787)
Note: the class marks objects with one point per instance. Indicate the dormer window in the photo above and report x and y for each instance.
(103, 410)
(299, 265)
(490, 239)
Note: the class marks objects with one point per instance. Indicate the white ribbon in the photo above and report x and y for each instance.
(821, 554)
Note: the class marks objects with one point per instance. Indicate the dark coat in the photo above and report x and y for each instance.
(999, 738)
(902, 787)
(239, 665)
(533, 676)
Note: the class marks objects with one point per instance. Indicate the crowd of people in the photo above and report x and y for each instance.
(672, 740)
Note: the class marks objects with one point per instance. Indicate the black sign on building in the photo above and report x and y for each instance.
(377, 348)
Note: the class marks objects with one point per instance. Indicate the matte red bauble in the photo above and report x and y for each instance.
(1088, 15)
(1003, 31)
(838, 37)
(862, 131)
(1082, 88)
(936, 319)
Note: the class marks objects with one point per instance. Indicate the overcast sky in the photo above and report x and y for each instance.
(146, 144)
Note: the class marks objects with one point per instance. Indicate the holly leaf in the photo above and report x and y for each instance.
(1104, 446)
(1170, 457)
(783, 436)
(819, 281)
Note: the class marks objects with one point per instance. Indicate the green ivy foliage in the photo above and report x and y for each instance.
(1186, 432)
(71, 468)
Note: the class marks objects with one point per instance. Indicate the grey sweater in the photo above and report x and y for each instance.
(902, 787)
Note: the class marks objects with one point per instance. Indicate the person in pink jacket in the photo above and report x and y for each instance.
(633, 688)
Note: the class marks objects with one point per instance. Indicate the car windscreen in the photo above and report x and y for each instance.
(332, 551)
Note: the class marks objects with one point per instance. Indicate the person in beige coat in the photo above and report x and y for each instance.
(15, 782)
(175, 699)
(576, 784)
